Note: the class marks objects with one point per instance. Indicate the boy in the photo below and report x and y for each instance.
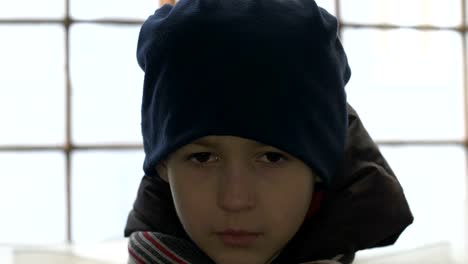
(252, 153)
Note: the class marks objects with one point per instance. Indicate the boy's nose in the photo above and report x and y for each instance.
(236, 187)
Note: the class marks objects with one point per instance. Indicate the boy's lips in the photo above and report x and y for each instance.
(238, 238)
(237, 232)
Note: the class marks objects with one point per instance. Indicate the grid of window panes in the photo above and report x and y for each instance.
(70, 91)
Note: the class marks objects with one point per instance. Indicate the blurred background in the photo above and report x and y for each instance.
(70, 92)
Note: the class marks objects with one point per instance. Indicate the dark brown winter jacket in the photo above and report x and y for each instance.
(365, 207)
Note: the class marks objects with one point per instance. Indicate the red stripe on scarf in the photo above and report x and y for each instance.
(135, 256)
(164, 249)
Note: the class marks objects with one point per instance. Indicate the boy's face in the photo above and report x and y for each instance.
(227, 182)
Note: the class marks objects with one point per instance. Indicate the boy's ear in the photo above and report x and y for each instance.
(162, 170)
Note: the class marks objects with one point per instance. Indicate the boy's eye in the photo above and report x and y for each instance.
(201, 157)
(274, 157)
(206, 157)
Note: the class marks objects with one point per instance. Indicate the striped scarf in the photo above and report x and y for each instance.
(154, 247)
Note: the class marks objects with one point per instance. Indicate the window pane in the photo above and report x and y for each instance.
(402, 12)
(32, 198)
(32, 9)
(107, 84)
(407, 84)
(104, 187)
(91, 9)
(435, 185)
(329, 5)
(32, 86)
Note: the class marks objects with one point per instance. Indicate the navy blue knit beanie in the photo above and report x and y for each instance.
(273, 71)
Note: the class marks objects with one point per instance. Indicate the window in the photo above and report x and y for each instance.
(70, 93)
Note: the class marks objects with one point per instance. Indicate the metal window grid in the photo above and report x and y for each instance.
(69, 147)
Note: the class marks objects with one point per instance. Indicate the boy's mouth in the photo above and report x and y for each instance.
(238, 238)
